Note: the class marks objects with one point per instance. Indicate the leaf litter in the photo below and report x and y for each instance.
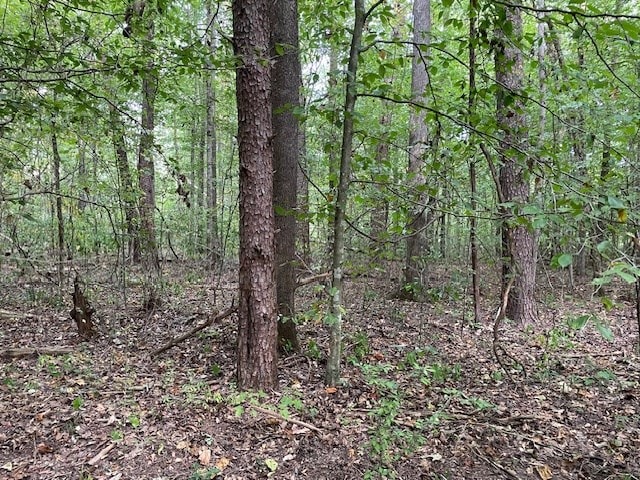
(422, 397)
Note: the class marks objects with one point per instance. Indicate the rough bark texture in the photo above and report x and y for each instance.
(285, 100)
(519, 246)
(335, 308)
(257, 309)
(415, 267)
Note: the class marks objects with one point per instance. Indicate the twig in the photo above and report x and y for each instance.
(211, 320)
(312, 279)
(493, 463)
(101, 454)
(284, 419)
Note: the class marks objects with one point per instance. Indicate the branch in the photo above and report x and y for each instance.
(284, 419)
(563, 11)
(210, 321)
(33, 351)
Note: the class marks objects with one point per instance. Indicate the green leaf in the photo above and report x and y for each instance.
(565, 260)
(578, 323)
(614, 202)
(271, 464)
(605, 331)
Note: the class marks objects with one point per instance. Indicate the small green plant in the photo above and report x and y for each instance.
(290, 401)
(133, 420)
(77, 403)
(204, 473)
(313, 350)
(361, 348)
(116, 435)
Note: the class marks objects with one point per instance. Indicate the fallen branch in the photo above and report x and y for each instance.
(314, 278)
(101, 454)
(211, 320)
(8, 314)
(284, 419)
(28, 352)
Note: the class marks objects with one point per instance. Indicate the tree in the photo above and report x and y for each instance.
(257, 309)
(415, 268)
(518, 240)
(213, 244)
(285, 100)
(332, 375)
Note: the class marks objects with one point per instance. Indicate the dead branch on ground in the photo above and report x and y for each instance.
(211, 320)
(28, 352)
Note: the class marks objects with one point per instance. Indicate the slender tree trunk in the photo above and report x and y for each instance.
(415, 266)
(335, 309)
(334, 166)
(146, 178)
(380, 212)
(473, 222)
(58, 204)
(127, 194)
(213, 242)
(257, 309)
(285, 101)
(519, 246)
(303, 232)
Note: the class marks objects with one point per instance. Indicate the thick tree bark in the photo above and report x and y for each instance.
(415, 266)
(257, 310)
(519, 245)
(285, 101)
(335, 308)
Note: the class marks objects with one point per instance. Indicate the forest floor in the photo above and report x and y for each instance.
(423, 395)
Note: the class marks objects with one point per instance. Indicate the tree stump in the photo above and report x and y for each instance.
(82, 311)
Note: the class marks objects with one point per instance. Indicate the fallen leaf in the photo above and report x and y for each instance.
(330, 390)
(222, 463)
(44, 448)
(544, 471)
(182, 444)
(204, 456)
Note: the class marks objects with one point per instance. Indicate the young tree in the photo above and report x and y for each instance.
(257, 309)
(285, 100)
(518, 241)
(335, 305)
(213, 243)
(415, 268)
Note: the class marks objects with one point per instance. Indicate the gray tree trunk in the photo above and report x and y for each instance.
(285, 101)
(415, 270)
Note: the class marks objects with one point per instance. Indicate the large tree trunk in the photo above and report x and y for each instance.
(415, 267)
(335, 308)
(519, 245)
(257, 309)
(285, 101)
(213, 244)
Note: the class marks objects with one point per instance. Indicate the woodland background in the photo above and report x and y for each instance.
(413, 225)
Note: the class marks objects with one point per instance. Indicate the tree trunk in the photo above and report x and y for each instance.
(519, 246)
(335, 308)
(303, 232)
(473, 222)
(146, 178)
(380, 212)
(415, 267)
(257, 309)
(213, 243)
(285, 101)
(58, 204)
(127, 194)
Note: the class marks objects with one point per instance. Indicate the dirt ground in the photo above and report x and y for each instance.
(423, 395)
